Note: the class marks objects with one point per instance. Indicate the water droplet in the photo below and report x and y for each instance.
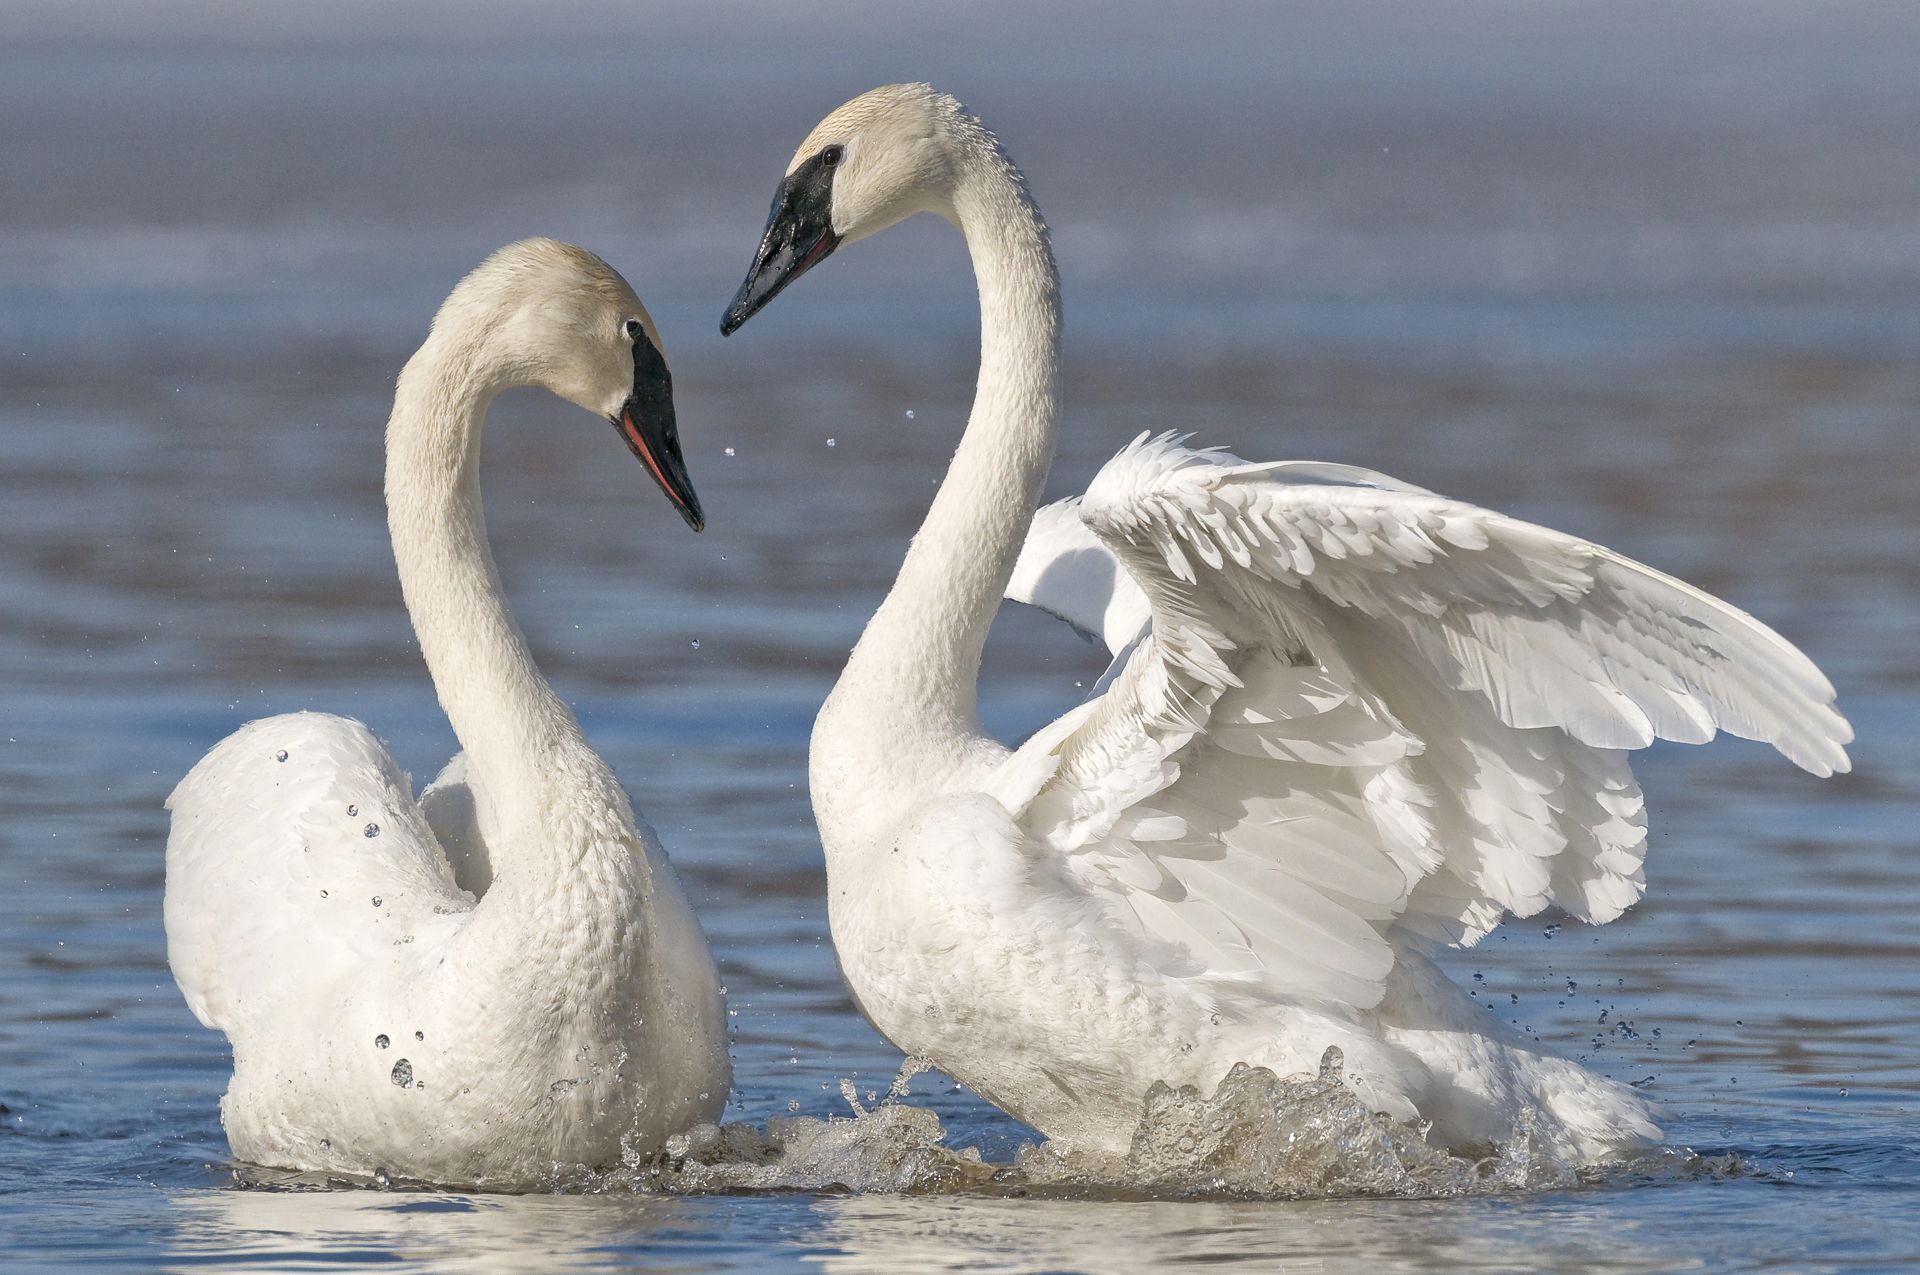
(1513, 998)
(909, 415)
(323, 894)
(1843, 1091)
(696, 644)
(376, 900)
(281, 755)
(419, 1035)
(373, 830)
(1551, 930)
(1479, 978)
(381, 1041)
(561, 1088)
(326, 1144)
(832, 442)
(403, 1074)
(381, 1179)
(729, 451)
(793, 1104)
(352, 811)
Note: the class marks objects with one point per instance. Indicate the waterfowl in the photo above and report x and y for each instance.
(502, 980)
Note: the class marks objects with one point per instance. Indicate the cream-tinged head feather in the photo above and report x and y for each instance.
(545, 313)
(902, 145)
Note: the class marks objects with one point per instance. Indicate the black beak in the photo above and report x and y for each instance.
(646, 421)
(799, 233)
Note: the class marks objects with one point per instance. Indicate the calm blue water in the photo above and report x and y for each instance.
(1652, 277)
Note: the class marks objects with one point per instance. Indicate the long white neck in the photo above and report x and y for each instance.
(521, 741)
(903, 713)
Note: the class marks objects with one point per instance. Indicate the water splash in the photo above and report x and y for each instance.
(1260, 1136)
(1265, 1136)
(889, 1147)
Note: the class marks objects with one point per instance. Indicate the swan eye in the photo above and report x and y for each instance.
(633, 329)
(832, 156)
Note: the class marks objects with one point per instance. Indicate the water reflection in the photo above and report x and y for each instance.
(484, 1235)
(892, 1235)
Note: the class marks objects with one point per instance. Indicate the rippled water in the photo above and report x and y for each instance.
(1650, 277)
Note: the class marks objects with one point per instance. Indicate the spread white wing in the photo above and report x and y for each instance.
(1362, 707)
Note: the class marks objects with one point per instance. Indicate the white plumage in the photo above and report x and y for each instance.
(501, 981)
(1347, 718)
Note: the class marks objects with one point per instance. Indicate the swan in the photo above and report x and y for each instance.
(1349, 719)
(502, 980)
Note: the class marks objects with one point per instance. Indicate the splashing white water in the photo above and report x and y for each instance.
(1260, 1136)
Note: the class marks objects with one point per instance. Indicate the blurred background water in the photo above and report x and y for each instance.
(1649, 273)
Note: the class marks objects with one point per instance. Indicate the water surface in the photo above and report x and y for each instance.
(1647, 277)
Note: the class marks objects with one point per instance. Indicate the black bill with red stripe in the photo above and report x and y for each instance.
(646, 421)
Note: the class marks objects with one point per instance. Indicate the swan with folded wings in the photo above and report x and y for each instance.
(1347, 719)
(502, 980)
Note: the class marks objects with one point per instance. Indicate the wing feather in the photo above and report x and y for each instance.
(1361, 709)
(296, 854)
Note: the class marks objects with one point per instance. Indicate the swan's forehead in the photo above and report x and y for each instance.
(903, 111)
(602, 288)
(600, 281)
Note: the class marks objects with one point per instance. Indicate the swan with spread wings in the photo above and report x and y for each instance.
(1347, 719)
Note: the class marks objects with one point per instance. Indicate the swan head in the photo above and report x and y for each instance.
(884, 156)
(554, 315)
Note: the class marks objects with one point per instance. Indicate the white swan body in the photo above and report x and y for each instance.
(382, 1017)
(1349, 718)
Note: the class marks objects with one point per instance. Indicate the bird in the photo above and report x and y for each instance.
(1348, 721)
(502, 981)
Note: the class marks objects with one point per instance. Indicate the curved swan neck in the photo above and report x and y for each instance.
(907, 695)
(509, 721)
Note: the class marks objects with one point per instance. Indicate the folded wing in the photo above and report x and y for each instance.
(297, 860)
